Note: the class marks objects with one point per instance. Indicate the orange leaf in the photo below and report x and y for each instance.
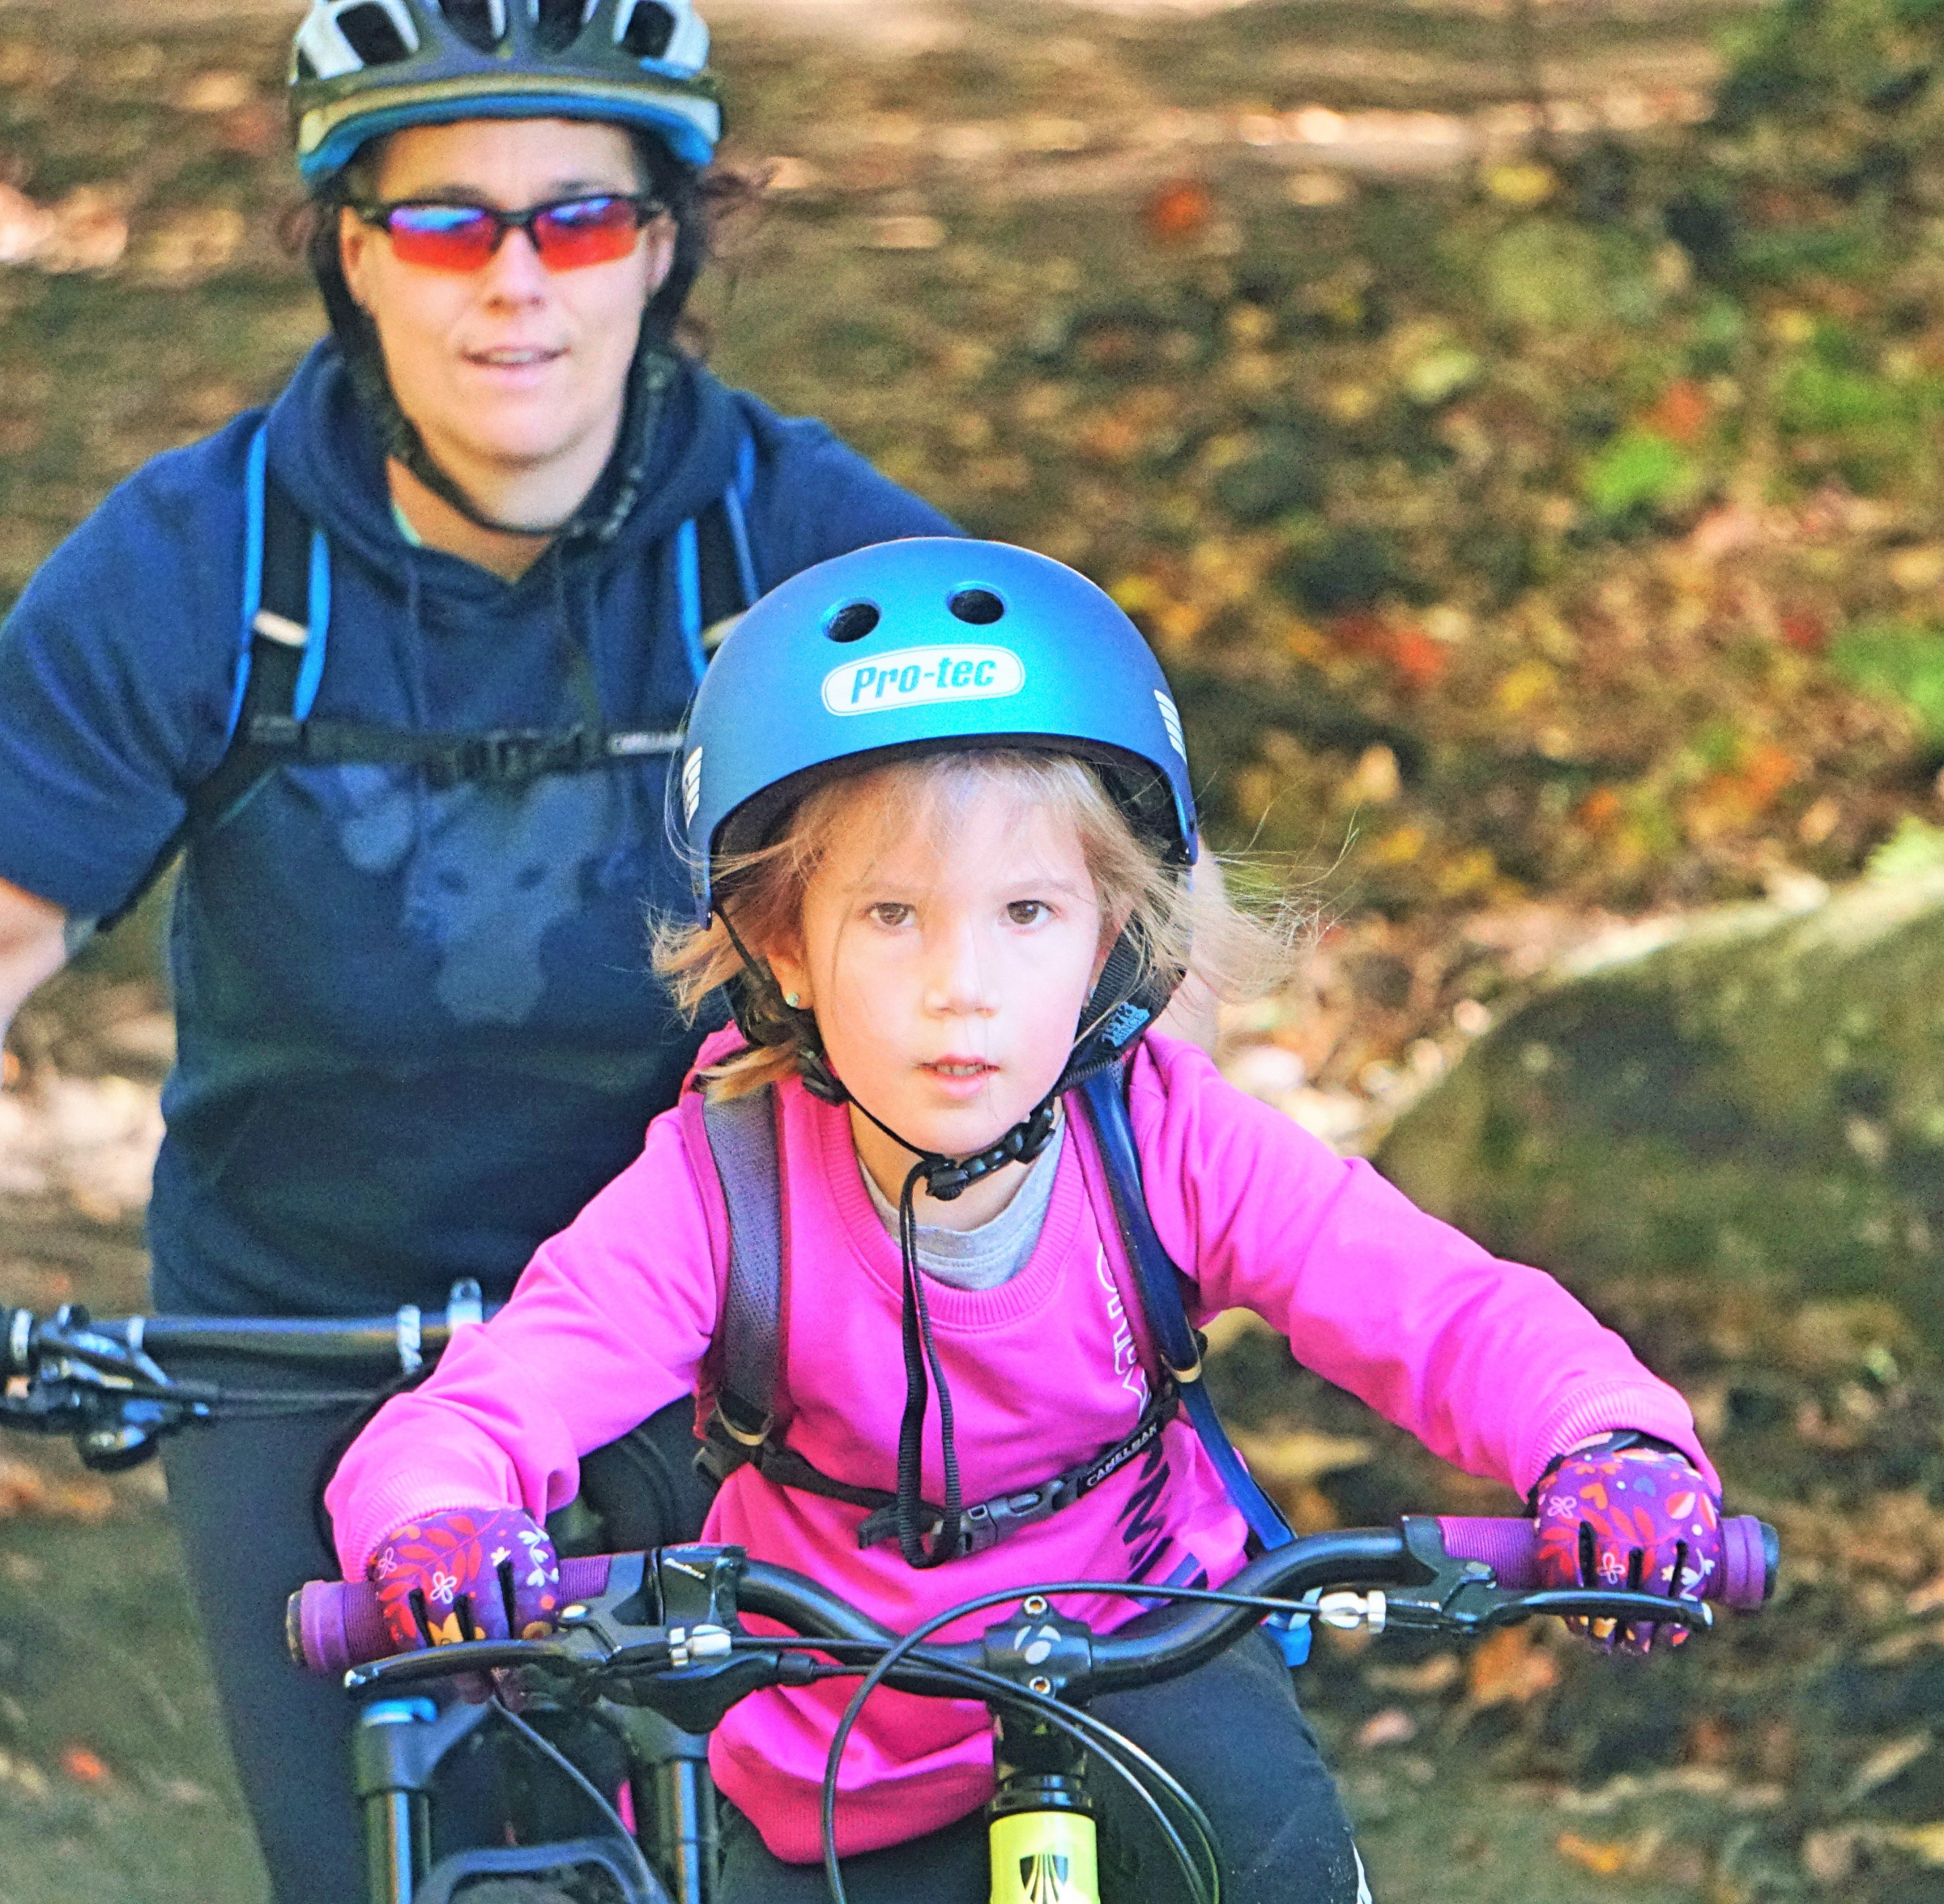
(1609, 1859)
(1179, 210)
(83, 1766)
(1509, 1669)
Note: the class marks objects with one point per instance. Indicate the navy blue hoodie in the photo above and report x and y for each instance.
(416, 1029)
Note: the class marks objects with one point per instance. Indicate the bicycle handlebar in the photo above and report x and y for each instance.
(400, 1340)
(335, 1625)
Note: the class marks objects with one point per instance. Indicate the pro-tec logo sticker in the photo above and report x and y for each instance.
(914, 677)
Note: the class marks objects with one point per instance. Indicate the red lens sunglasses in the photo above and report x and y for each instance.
(567, 233)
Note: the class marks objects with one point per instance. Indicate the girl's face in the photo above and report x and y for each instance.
(946, 964)
(512, 366)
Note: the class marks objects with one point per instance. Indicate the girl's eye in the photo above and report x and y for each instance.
(890, 912)
(1026, 912)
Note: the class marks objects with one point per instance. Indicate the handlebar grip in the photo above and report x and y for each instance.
(1749, 1553)
(332, 1625)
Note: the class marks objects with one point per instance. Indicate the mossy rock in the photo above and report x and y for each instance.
(1755, 1096)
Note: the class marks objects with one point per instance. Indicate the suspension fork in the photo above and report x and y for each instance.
(395, 1748)
(1040, 1829)
(674, 1798)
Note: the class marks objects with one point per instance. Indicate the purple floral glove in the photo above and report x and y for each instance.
(1637, 1518)
(467, 1572)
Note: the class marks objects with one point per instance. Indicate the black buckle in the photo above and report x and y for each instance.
(991, 1521)
(981, 1526)
(511, 756)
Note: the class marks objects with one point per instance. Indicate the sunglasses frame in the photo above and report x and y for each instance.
(646, 207)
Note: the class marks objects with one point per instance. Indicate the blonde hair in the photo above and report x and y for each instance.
(1173, 924)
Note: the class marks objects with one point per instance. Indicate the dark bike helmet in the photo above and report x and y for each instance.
(935, 645)
(361, 68)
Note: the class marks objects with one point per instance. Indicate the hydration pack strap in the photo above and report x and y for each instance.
(1160, 1286)
(1180, 1347)
(279, 658)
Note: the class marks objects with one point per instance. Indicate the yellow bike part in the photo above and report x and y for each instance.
(1044, 1858)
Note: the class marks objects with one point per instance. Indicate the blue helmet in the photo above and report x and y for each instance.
(361, 68)
(927, 645)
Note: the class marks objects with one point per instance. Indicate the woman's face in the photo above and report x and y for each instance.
(512, 368)
(947, 965)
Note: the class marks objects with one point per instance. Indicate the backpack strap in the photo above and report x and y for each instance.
(285, 622)
(1104, 1096)
(1160, 1286)
(279, 658)
(741, 1135)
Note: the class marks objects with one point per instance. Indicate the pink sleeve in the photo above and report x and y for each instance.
(609, 1322)
(1491, 1365)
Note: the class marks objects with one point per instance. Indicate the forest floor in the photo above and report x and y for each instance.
(1520, 578)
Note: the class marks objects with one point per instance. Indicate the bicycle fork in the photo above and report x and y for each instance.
(1041, 1831)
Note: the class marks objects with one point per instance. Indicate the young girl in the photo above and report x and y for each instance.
(940, 823)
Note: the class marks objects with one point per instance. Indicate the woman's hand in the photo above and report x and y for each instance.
(467, 1573)
(1637, 1518)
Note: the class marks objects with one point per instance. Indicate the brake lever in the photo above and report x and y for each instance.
(571, 1654)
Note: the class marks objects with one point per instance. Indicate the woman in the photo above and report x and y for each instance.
(416, 1028)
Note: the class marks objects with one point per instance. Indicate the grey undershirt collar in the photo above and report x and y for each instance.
(996, 1250)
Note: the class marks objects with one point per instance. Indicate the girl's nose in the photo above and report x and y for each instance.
(958, 982)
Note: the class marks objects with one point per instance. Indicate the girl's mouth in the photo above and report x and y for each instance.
(960, 1076)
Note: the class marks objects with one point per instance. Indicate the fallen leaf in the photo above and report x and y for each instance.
(1607, 1857)
(1509, 1667)
(84, 1766)
(1180, 211)
(1393, 1726)
(1885, 1764)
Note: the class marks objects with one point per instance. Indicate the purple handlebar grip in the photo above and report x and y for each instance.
(334, 1624)
(1510, 1549)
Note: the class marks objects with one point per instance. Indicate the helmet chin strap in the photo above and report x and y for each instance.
(649, 377)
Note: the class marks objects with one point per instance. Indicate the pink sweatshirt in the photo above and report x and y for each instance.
(1492, 1365)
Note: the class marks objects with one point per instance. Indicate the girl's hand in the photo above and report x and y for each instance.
(467, 1573)
(1637, 1518)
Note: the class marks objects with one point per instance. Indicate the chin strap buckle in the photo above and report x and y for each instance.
(946, 1176)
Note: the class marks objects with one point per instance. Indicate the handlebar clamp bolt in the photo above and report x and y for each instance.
(1033, 1605)
(1040, 1684)
(569, 1615)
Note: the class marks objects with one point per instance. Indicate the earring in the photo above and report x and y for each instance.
(793, 1000)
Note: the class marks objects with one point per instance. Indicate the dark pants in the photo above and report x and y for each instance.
(1231, 1732)
(241, 1494)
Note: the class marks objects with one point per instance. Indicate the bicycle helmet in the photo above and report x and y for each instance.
(362, 68)
(926, 645)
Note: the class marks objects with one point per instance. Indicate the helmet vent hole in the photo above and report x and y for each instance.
(557, 23)
(853, 621)
(479, 23)
(373, 36)
(978, 605)
(649, 30)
